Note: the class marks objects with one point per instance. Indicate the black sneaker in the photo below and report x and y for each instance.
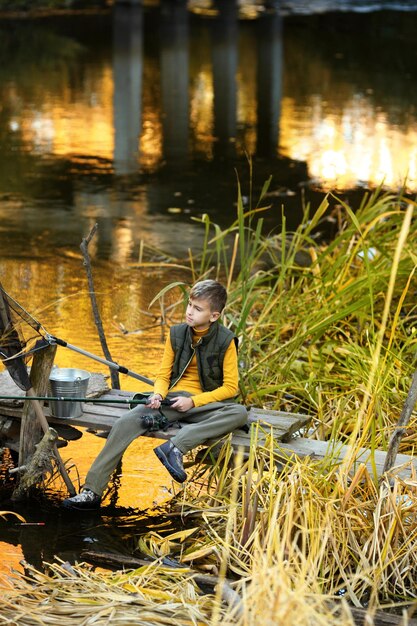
(85, 500)
(171, 457)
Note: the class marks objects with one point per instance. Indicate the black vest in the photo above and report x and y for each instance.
(210, 351)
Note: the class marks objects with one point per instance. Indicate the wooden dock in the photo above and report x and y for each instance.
(100, 416)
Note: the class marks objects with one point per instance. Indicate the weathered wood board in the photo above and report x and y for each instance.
(301, 447)
(101, 416)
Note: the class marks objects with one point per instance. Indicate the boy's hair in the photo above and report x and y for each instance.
(212, 291)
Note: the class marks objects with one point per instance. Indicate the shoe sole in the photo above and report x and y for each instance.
(180, 478)
(81, 506)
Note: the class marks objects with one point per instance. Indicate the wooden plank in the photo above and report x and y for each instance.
(7, 411)
(95, 422)
(285, 424)
(102, 416)
(379, 618)
(302, 447)
(98, 408)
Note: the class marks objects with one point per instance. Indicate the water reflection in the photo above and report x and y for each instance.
(269, 83)
(358, 118)
(56, 295)
(161, 109)
(224, 34)
(127, 73)
(174, 59)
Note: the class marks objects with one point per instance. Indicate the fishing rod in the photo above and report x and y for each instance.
(98, 400)
(112, 364)
(50, 339)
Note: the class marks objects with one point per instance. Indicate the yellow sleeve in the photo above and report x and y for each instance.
(230, 385)
(163, 378)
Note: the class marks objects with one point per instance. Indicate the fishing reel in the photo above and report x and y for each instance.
(154, 422)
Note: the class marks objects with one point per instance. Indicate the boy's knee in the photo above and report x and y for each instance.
(132, 419)
(240, 415)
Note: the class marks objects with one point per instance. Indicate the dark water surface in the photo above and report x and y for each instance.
(140, 120)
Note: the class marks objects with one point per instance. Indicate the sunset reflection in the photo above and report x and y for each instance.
(201, 111)
(66, 126)
(345, 136)
(57, 296)
(10, 559)
(348, 147)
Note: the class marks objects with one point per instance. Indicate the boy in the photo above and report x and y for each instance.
(199, 375)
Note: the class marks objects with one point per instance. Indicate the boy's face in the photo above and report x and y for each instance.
(199, 314)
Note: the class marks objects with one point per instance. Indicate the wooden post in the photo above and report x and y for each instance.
(40, 463)
(31, 431)
(34, 422)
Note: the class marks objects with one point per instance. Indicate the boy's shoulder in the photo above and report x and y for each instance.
(216, 328)
(182, 326)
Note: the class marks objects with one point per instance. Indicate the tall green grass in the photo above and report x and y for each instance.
(329, 328)
(334, 337)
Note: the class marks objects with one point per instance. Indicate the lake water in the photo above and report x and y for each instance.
(140, 120)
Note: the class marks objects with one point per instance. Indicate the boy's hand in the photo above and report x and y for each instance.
(182, 404)
(154, 401)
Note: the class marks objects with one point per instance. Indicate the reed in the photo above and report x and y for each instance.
(327, 329)
(307, 537)
(324, 328)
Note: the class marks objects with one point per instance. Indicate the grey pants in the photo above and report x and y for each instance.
(198, 424)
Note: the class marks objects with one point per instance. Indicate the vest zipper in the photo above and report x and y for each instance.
(193, 347)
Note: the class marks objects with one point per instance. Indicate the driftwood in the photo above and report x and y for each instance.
(39, 465)
(362, 617)
(207, 583)
(400, 431)
(39, 375)
(115, 381)
(123, 561)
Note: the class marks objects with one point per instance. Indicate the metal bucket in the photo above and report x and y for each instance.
(67, 382)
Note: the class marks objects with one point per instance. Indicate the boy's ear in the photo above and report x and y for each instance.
(214, 316)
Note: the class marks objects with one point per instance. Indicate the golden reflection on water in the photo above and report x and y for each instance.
(351, 144)
(10, 559)
(341, 144)
(247, 103)
(143, 483)
(151, 137)
(345, 137)
(201, 114)
(57, 296)
(50, 128)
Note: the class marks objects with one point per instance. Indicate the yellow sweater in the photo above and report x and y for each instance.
(190, 381)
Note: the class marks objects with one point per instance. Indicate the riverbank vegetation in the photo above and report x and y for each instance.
(327, 328)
